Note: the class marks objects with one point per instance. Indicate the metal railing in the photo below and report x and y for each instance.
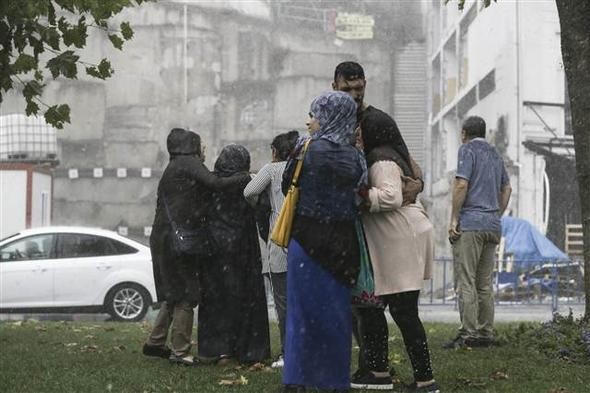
(550, 283)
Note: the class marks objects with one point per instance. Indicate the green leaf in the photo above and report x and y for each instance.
(116, 41)
(64, 64)
(92, 71)
(76, 35)
(5, 83)
(50, 36)
(102, 71)
(5, 29)
(67, 5)
(57, 115)
(19, 38)
(37, 46)
(63, 24)
(23, 64)
(39, 75)
(32, 89)
(50, 13)
(105, 68)
(126, 31)
(32, 108)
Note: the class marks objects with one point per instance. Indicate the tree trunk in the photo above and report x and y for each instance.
(574, 17)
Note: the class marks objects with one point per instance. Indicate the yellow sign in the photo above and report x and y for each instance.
(354, 26)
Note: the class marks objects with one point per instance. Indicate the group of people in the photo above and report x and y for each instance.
(226, 285)
(358, 188)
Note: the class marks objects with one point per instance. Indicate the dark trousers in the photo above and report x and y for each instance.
(370, 332)
(278, 282)
(373, 335)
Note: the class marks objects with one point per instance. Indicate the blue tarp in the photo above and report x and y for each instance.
(529, 246)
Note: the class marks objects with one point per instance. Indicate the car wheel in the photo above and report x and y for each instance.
(127, 302)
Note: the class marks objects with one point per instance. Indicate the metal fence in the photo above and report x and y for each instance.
(551, 283)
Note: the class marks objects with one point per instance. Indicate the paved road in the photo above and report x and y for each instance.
(431, 313)
(504, 313)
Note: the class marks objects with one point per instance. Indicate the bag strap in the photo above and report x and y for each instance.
(299, 165)
(172, 222)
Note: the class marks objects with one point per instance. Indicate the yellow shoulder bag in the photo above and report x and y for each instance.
(281, 232)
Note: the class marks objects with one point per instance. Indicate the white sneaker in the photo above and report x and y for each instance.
(279, 363)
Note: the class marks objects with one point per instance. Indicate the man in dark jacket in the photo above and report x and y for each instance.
(184, 196)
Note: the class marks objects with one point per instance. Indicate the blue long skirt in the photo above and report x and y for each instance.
(319, 325)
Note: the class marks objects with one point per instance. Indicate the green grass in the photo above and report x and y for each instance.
(102, 357)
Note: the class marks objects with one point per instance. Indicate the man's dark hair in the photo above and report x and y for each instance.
(475, 127)
(349, 70)
(284, 144)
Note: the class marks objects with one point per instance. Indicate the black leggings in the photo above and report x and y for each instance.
(372, 335)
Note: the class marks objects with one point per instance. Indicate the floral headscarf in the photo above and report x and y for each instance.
(336, 112)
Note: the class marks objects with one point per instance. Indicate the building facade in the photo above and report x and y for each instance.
(232, 71)
(502, 63)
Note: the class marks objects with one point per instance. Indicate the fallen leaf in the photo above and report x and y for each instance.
(257, 367)
(474, 384)
(77, 330)
(234, 382)
(90, 337)
(497, 375)
(89, 348)
(70, 344)
(17, 323)
(558, 390)
(40, 328)
(119, 348)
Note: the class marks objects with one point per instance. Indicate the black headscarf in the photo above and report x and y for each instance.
(383, 141)
(232, 159)
(181, 142)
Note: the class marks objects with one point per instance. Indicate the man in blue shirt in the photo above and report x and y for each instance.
(481, 192)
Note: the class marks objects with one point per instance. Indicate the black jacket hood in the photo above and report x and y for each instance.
(183, 142)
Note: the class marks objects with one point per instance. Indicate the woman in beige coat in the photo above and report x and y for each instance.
(399, 240)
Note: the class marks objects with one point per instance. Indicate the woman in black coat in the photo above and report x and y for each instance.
(233, 315)
(184, 196)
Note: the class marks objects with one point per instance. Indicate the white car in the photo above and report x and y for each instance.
(74, 269)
